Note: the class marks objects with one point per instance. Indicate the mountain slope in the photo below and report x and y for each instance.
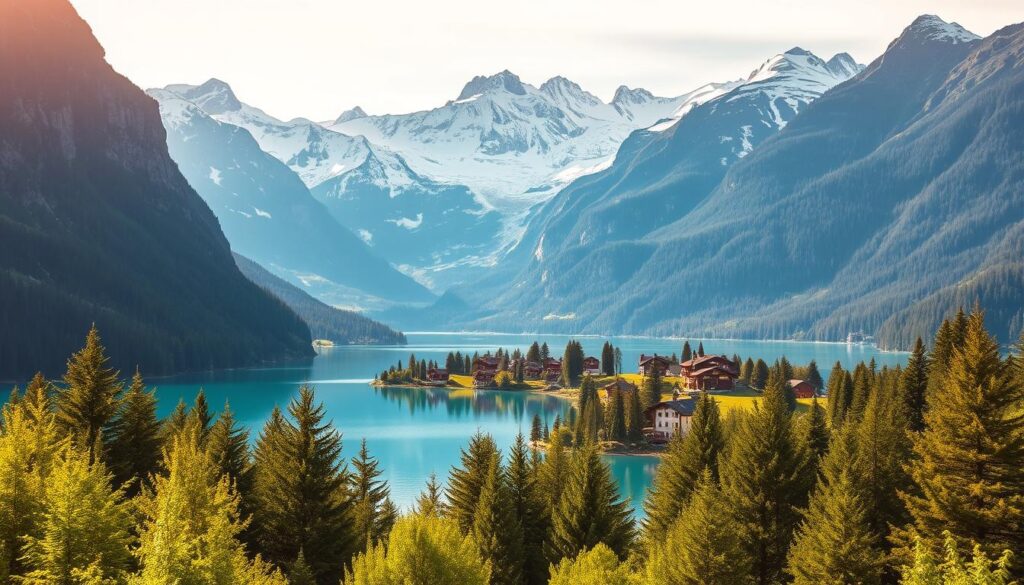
(268, 214)
(886, 201)
(324, 321)
(660, 176)
(97, 224)
(431, 230)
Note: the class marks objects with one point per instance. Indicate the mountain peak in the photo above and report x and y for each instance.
(842, 64)
(625, 95)
(798, 51)
(214, 96)
(353, 114)
(503, 81)
(929, 27)
(561, 87)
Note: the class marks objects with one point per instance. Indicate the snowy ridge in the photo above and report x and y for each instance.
(932, 28)
(510, 142)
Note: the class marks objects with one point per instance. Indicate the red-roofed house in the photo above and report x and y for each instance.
(802, 388)
(592, 366)
(552, 369)
(709, 372)
(648, 363)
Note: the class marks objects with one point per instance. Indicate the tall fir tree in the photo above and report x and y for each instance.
(466, 482)
(759, 376)
(835, 390)
(591, 419)
(862, 386)
(685, 461)
(300, 491)
(616, 417)
(589, 510)
(85, 526)
(766, 478)
(373, 516)
(300, 573)
(89, 400)
(747, 371)
(496, 528)
(967, 470)
(702, 544)
(938, 358)
(687, 351)
(191, 525)
(814, 376)
(634, 418)
(814, 431)
(536, 430)
(651, 389)
(530, 511)
(228, 446)
(834, 543)
(700, 349)
(135, 438)
(914, 387)
(429, 503)
(175, 422)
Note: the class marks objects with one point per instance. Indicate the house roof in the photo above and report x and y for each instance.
(710, 369)
(698, 360)
(645, 359)
(795, 383)
(684, 407)
(622, 385)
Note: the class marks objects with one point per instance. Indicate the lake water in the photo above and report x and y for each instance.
(414, 432)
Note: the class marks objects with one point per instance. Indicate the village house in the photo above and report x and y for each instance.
(552, 369)
(531, 370)
(709, 372)
(592, 366)
(670, 418)
(483, 379)
(437, 376)
(649, 363)
(623, 386)
(802, 389)
(487, 364)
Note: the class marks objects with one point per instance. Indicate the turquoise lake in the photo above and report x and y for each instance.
(414, 432)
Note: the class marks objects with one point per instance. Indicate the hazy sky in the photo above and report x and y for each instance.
(316, 58)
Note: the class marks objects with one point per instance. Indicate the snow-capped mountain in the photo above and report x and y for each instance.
(588, 231)
(511, 142)
(428, 229)
(269, 215)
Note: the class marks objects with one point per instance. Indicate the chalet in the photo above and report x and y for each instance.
(552, 369)
(670, 418)
(483, 379)
(626, 388)
(649, 363)
(709, 372)
(592, 366)
(802, 388)
(487, 364)
(531, 370)
(437, 376)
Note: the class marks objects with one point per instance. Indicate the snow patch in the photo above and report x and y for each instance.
(366, 236)
(215, 176)
(262, 213)
(409, 224)
(557, 317)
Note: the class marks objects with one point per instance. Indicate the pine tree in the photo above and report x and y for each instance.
(175, 423)
(545, 353)
(530, 511)
(777, 382)
(815, 432)
(228, 446)
(300, 491)
(914, 386)
(372, 517)
(466, 482)
(938, 359)
(967, 468)
(747, 371)
(552, 473)
(618, 360)
(765, 479)
(687, 351)
(29, 445)
(954, 571)
(536, 432)
(591, 418)
(685, 461)
(814, 376)
(700, 349)
(634, 419)
(701, 545)
(651, 389)
(760, 375)
(191, 526)
(89, 401)
(608, 359)
(135, 438)
(496, 528)
(85, 526)
(201, 412)
(429, 503)
(300, 572)
(597, 566)
(589, 510)
(533, 354)
(836, 391)
(834, 543)
(421, 550)
(616, 425)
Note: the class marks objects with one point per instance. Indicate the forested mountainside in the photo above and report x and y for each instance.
(269, 215)
(97, 225)
(879, 207)
(324, 321)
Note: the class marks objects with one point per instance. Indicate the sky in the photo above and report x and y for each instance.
(317, 58)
